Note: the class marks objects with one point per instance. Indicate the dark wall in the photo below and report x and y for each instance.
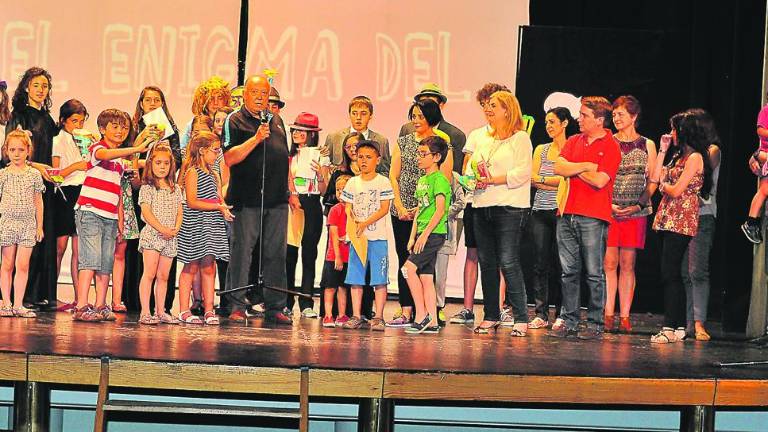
(717, 53)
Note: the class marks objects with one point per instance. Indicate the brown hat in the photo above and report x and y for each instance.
(274, 97)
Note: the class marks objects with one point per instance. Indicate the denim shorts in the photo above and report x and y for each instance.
(97, 237)
(377, 259)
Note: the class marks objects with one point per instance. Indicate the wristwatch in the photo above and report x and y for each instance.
(542, 179)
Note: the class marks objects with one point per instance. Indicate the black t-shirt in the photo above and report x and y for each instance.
(43, 130)
(245, 177)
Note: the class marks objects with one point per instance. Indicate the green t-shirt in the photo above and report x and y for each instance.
(427, 189)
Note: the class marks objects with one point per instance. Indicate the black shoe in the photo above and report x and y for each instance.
(562, 332)
(589, 333)
(752, 232)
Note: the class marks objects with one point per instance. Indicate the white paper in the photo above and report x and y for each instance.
(304, 162)
(158, 117)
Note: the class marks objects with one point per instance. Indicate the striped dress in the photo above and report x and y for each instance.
(203, 232)
(545, 199)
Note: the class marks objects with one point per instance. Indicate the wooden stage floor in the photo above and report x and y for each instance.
(455, 365)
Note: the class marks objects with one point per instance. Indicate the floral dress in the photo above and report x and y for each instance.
(680, 215)
(130, 223)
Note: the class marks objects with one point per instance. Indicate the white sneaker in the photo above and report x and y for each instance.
(506, 319)
(309, 313)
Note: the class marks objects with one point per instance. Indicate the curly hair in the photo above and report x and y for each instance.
(20, 96)
(208, 88)
(5, 103)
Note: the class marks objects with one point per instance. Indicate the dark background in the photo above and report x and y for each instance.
(672, 55)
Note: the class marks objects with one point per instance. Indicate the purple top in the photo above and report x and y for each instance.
(762, 120)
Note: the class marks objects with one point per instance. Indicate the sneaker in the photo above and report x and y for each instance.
(537, 323)
(287, 312)
(309, 313)
(432, 329)
(377, 324)
(589, 333)
(328, 321)
(464, 316)
(506, 319)
(666, 335)
(400, 321)
(106, 313)
(279, 318)
(258, 310)
(419, 327)
(237, 316)
(340, 321)
(440, 317)
(66, 307)
(562, 332)
(558, 324)
(752, 232)
(354, 323)
(86, 314)
(119, 308)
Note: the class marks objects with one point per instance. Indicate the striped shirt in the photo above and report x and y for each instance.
(101, 189)
(545, 199)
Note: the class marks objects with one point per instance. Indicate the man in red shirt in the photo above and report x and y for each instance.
(589, 161)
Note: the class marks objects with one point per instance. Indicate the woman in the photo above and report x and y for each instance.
(209, 96)
(501, 204)
(309, 175)
(404, 173)
(31, 110)
(630, 207)
(696, 259)
(677, 219)
(543, 224)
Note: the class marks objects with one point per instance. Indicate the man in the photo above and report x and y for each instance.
(432, 91)
(360, 114)
(246, 142)
(589, 161)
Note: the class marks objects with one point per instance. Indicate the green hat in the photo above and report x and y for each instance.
(431, 89)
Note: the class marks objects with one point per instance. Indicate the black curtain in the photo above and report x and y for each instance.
(697, 54)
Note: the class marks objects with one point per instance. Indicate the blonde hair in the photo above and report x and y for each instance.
(513, 121)
(149, 176)
(207, 89)
(20, 135)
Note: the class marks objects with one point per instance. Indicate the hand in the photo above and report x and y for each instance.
(411, 242)
(418, 247)
(262, 133)
(665, 142)
(485, 181)
(338, 264)
(143, 145)
(315, 166)
(628, 211)
(224, 209)
(589, 167)
(39, 234)
(324, 151)
(46, 176)
(402, 212)
(361, 227)
(293, 202)
(754, 165)
(615, 209)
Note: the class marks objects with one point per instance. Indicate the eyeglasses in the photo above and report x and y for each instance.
(424, 154)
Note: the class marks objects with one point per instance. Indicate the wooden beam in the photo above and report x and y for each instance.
(13, 366)
(64, 369)
(342, 383)
(548, 389)
(741, 393)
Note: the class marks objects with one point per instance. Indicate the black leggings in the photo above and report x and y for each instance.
(313, 225)
(402, 231)
(673, 249)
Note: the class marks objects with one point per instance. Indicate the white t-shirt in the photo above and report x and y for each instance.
(64, 147)
(366, 198)
(304, 180)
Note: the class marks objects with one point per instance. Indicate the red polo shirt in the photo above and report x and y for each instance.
(583, 198)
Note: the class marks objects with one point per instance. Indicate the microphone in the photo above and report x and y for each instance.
(265, 116)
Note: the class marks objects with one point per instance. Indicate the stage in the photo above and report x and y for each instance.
(380, 368)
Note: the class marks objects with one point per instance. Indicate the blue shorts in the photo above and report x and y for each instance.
(97, 237)
(378, 262)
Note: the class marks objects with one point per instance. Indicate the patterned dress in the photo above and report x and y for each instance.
(409, 171)
(17, 206)
(203, 232)
(130, 223)
(165, 204)
(680, 215)
(630, 178)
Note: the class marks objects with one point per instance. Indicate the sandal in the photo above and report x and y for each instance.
(538, 323)
(147, 319)
(119, 308)
(6, 311)
(665, 336)
(23, 312)
(487, 329)
(519, 330)
(702, 335)
(166, 318)
(186, 317)
(211, 318)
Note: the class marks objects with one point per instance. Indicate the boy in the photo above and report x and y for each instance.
(99, 212)
(433, 193)
(336, 259)
(368, 197)
(449, 247)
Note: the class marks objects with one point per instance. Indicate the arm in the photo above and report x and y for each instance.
(149, 217)
(337, 263)
(394, 177)
(520, 173)
(542, 182)
(238, 153)
(190, 187)
(565, 168)
(179, 218)
(467, 157)
(650, 188)
(694, 165)
(595, 179)
(77, 166)
(225, 174)
(762, 132)
(116, 153)
(447, 166)
(39, 215)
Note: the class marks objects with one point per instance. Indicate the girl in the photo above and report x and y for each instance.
(160, 200)
(203, 234)
(308, 185)
(219, 118)
(68, 158)
(677, 218)
(21, 221)
(336, 259)
(150, 99)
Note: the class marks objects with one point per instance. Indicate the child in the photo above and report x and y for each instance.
(336, 260)
(368, 197)
(99, 212)
(68, 158)
(751, 227)
(21, 221)
(428, 232)
(203, 234)
(449, 247)
(5, 111)
(160, 200)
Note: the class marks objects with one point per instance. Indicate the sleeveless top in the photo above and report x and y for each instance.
(680, 215)
(545, 199)
(630, 179)
(409, 171)
(709, 207)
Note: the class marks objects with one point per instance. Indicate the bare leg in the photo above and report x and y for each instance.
(161, 283)
(118, 272)
(185, 284)
(61, 248)
(357, 301)
(611, 265)
(380, 298)
(626, 280)
(341, 299)
(328, 301)
(84, 280)
(6, 273)
(417, 291)
(102, 285)
(73, 264)
(22, 275)
(430, 296)
(151, 259)
(208, 279)
(759, 198)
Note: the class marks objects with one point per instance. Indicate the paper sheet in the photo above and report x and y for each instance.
(295, 227)
(158, 117)
(359, 243)
(304, 160)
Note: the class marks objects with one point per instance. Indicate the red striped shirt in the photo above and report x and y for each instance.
(101, 189)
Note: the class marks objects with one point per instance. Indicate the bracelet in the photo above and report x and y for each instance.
(294, 193)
